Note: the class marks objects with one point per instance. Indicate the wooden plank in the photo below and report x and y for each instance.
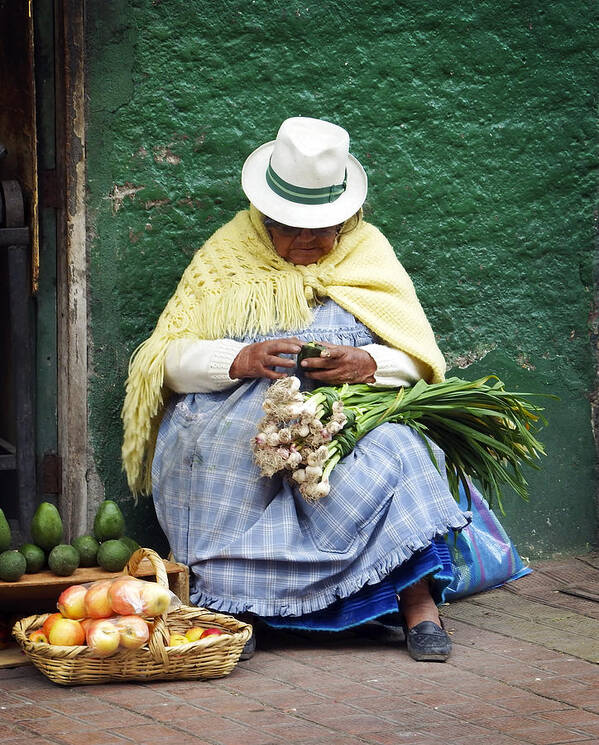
(557, 637)
(589, 593)
(72, 273)
(82, 575)
(591, 559)
(179, 584)
(38, 593)
(543, 586)
(570, 572)
(8, 446)
(539, 613)
(13, 656)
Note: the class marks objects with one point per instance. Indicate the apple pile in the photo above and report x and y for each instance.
(103, 635)
(105, 615)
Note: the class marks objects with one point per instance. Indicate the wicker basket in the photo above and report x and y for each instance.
(212, 657)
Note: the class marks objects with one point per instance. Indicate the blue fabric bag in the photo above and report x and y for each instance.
(482, 553)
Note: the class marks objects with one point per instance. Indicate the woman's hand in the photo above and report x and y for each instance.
(342, 365)
(257, 360)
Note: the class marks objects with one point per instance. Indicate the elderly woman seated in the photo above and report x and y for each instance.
(301, 264)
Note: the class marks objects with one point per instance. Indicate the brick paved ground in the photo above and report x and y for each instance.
(500, 687)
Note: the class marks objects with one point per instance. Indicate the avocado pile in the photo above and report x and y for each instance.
(108, 547)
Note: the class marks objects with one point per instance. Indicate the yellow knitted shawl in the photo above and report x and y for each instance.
(237, 285)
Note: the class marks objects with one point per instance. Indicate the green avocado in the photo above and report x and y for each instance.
(133, 544)
(34, 556)
(311, 349)
(46, 526)
(87, 546)
(109, 522)
(12, 566)
(4, 533)
(63, 559)
(113, 555)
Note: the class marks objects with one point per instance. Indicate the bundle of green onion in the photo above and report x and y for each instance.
(486, 432)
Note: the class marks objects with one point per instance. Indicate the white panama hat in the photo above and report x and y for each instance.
(305, 178)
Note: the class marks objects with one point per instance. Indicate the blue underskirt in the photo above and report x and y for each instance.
(374, 601)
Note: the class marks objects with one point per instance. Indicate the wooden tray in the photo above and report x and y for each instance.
(38, 593)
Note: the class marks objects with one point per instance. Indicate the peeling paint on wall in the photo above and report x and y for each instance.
(166, 155)
(119, 193)
(464, 360)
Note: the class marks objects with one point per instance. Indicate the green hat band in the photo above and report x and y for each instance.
(302, 194)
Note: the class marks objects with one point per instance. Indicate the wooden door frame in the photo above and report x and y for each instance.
(72, 276)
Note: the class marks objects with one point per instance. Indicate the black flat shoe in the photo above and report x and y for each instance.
(428, 642)
(249, 648)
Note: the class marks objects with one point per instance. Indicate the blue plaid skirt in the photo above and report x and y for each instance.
(253, 544)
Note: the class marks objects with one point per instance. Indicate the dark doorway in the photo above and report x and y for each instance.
(29, 462)
(19, 242)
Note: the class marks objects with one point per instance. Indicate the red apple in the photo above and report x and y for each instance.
(49, 622)
(71, 602)
(97, 602)
(85, 622)
(38, 636)
(155, 599)
(66, 632)
(125, 596)
(212, 632)
(103, 637)
(133, 630)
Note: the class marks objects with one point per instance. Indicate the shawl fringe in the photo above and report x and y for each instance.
(237, 285)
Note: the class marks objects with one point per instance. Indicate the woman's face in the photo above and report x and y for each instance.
(301, 245)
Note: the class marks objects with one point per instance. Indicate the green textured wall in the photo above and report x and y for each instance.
(476, 124)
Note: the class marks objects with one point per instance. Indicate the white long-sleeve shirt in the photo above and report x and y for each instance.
(202, 365)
